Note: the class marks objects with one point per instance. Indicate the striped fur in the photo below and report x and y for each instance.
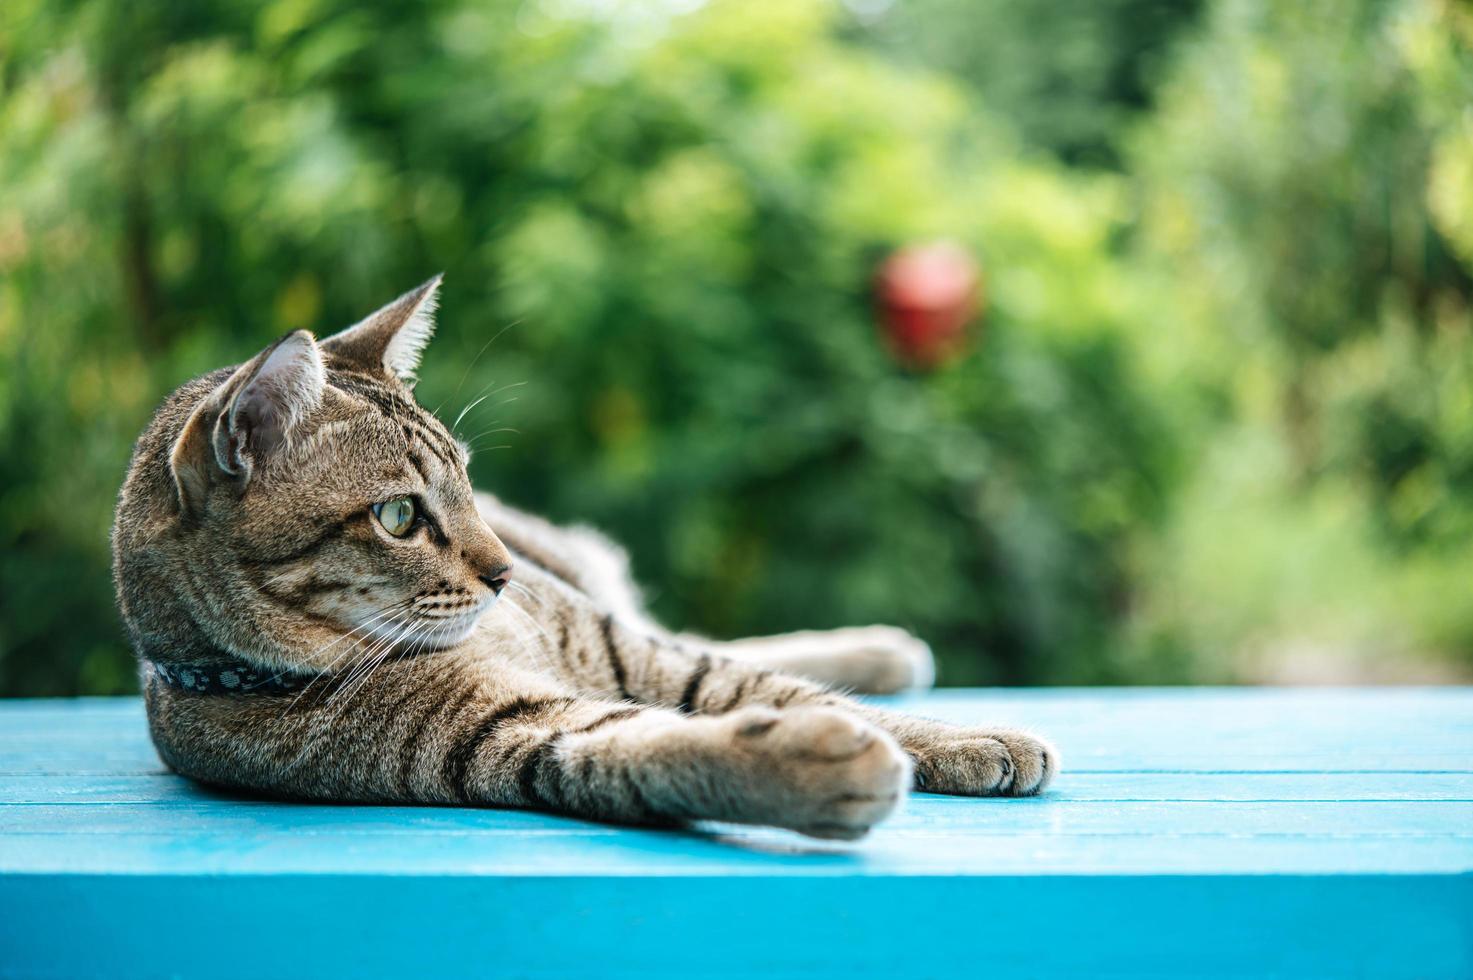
(246, 526)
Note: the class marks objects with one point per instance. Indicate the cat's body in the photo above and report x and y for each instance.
(323, 610)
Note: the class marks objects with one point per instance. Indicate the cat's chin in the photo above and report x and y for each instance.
(442, 636)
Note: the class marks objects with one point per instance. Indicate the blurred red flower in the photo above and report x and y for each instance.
(927, 294)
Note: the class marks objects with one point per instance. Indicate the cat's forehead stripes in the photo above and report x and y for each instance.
(317, 452)
(419, 464)
(418, 426)
(442, 447)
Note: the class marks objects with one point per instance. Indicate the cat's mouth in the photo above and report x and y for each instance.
(420, 628)
(438, 632)
(436, 624)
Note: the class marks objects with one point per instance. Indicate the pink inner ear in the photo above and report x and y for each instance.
(285, 389)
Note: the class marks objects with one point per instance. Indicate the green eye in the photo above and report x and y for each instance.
(397, 515)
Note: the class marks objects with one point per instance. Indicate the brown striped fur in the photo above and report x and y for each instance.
(245, 529)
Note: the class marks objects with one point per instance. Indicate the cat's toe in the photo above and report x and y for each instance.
(825, 734)
(968, 765)
(990, 762)
(1035, 762)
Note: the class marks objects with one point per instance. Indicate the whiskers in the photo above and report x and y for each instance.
(390, 636)
(524, 590)
(540, 653)
(385, 618)
(396, 636)
(489, 391)
(469, 367)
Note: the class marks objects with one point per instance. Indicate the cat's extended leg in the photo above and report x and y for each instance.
(450, 729)
(598, 652)
(864, 659)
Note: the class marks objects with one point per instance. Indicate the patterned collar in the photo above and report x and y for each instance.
(228, 676)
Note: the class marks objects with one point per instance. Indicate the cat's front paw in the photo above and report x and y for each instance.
(822, 771)
(983, 762)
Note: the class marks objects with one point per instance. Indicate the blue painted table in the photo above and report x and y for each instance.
(1198, 832)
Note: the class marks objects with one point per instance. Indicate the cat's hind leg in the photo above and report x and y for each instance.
(863, 659)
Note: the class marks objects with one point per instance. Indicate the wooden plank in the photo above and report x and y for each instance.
(160, 787)
(601, 852)
(975, 819)
(1394, 758)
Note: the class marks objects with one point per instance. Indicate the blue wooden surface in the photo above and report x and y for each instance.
(1193, 832)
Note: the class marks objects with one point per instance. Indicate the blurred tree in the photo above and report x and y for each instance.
(1072, 75)
(1307, 184)
(660, 227)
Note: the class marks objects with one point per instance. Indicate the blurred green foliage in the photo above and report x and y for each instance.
(1071, 76)
(1307, 185)
(1220, 398)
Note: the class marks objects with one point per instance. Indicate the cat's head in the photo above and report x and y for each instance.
(301, 510)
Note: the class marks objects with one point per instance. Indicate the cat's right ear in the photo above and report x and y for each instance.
(390, 339)
(248, 418)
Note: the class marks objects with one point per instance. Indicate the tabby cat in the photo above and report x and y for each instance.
(324, 609)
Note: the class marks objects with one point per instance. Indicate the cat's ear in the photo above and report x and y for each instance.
(248, 417)
(392, 338)
(284, 388)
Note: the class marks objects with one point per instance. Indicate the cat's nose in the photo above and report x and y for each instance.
(497, 578)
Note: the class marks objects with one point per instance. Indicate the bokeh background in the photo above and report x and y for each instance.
(1214, 421)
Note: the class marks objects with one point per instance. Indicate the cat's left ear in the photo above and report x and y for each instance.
(250, 416)
(392, 338)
